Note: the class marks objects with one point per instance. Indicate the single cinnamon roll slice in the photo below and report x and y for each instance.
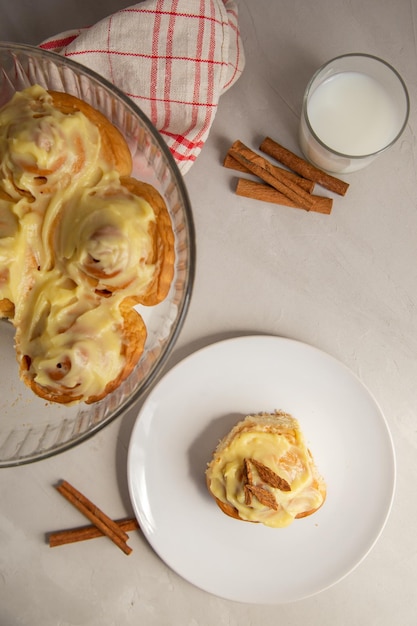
(262, 471)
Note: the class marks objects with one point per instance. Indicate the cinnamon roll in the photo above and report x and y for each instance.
(49, 140)
(118, 235)
(262, 471)
(71, 346)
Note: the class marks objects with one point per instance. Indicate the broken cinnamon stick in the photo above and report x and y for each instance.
(261, 167)
(83, 533)
(104, 523)
(307, 185)
(302, 167)
(261, 191)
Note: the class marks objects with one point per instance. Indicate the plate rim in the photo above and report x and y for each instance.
(279, 339)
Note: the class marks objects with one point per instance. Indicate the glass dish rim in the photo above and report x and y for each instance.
(158, 366)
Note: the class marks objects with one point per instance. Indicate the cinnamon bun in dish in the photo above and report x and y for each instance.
(118, 235)
(81, 244)
(262, 471)
(74, 347)
(48, 140)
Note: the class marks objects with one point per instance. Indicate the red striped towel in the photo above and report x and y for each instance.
(174, 58)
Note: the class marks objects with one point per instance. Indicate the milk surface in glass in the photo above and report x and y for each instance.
(354, 108)
(352, 113)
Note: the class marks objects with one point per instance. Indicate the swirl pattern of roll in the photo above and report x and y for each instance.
(118, 235)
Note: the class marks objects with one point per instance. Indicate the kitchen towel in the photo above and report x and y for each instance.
(173, 58)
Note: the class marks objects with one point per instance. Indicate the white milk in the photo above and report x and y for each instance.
(353, 114)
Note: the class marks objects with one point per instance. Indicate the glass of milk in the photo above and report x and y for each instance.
(355, 107)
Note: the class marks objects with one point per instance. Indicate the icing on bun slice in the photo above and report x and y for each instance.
(262, 471)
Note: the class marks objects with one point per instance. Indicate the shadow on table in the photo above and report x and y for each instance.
(216, 429)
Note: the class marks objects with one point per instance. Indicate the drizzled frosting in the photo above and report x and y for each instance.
(282, 451)
(73, 247)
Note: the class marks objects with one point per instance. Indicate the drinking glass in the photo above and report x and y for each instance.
(355, 107)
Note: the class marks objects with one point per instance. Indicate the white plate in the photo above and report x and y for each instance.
(197, 403)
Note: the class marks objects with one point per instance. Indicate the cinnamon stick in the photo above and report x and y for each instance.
(104, 523)
(261, 191)
(302, 167)
(261, 167)
(307, 185)
(83, 533)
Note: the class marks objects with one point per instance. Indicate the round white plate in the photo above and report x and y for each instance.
(197, 403)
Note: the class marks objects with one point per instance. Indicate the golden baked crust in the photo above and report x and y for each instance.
(162, 256)
(227, 508)
(262, 426)
(6, 308)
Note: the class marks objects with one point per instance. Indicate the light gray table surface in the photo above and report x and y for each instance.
(345, 283)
